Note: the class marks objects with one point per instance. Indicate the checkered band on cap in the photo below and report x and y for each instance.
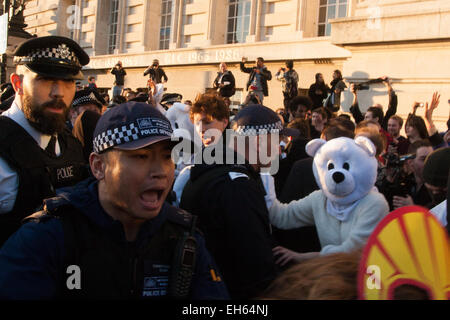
(253, 130)
(91, 98)
(115, 137)
(61, 52)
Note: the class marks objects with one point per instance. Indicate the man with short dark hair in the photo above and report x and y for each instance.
(289, 78)
(37, 152)
(115, 229)
(401, 189)
(400, 144)
(91, 83)
(257, 81)
(119, 72)
(298, 108)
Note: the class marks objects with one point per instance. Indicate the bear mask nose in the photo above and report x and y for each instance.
(338, 177)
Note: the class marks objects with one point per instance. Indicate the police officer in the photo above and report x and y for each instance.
(229, 199)
(116, 230)
(37, 153)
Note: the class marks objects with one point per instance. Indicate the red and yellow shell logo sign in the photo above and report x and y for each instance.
(409, 246)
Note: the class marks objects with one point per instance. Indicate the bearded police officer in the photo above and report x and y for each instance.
(37, 153)
(114, 236)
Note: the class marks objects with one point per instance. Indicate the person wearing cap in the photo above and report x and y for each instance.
(7, 96)
(229, 199)
(86, 99)
(37, 153)
(168, 99)
(115, 228)
(119, 72)
(436, 172)
(156, 73)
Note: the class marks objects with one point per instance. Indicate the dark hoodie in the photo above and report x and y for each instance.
(234, 219)
(32, 260)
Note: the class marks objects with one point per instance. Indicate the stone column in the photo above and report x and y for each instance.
(252, 28)
(176, 22)
(121, 26)
(211, 19)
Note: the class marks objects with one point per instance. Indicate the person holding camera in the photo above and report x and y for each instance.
(257, 81)
(402, 182)
(156, 73)
(399, 143)
(225, 82)
(119, 72)
(379, 116)
(289, 79)
(333, 102)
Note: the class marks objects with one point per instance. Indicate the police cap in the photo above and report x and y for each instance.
(52, 56)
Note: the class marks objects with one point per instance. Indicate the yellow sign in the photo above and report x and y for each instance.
(408, 247)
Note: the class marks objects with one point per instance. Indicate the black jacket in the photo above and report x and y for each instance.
(392, 109)
(120, 76)
(266, 75)
(229, 89)
(317, 99)
(156, 74)
(33, 262)
(233, 216)
(40, 173)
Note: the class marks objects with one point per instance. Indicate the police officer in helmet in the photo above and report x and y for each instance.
(37, 153)
(117, 229)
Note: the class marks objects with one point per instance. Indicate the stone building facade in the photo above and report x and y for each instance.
(407, 40)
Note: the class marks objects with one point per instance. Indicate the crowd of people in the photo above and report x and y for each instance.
(98, 201)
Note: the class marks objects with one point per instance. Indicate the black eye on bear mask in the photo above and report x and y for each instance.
(346, 166)
(330, 166)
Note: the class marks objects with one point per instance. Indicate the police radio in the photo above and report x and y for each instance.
(183, 265)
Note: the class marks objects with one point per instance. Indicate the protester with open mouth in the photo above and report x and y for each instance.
(114, 236)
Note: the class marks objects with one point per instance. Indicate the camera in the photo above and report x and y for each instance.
(394, 160)
(402, 182)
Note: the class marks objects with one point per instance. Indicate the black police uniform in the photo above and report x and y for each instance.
(229, 202)
(39, 172)
(168, 259)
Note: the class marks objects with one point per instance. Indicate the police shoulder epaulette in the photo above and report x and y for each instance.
(236, 175)
(36, 217)
(52, 205)
(179, 216)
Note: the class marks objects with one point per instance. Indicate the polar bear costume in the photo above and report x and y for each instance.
(347, 207)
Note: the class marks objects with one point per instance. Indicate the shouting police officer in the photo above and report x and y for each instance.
(116, 232)
(37, 153)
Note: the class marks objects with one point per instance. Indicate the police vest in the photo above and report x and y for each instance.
(195, 189)
(161, 267)
(39, 173)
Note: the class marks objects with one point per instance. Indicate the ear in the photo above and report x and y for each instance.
(366, 145)
(97, 163)
(313, 146)
(17, 81)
